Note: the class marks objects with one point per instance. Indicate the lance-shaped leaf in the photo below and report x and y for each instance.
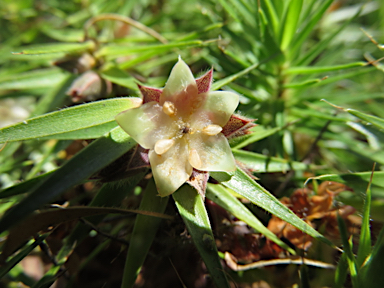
(223, 198)
(192, 209)
(69, 120)
(244, 185)
(143, 234)
(91, 159)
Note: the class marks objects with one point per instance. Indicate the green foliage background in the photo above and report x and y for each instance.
(303, 68)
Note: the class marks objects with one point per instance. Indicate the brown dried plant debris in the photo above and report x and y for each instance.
(319, 211)
(316, 209)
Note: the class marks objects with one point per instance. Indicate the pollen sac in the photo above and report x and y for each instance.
(169, 108)
(163, 146)
(212, 129)
(194, 158)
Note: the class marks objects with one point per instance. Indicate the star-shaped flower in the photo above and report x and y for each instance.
(184, 126)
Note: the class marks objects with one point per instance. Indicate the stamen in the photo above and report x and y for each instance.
(163, 146)
(212, 129)
(169, 108)
(194, 159)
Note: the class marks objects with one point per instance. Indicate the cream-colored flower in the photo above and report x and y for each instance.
(182, 128)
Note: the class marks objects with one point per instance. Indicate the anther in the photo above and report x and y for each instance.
(194, 159)
(169, 108)
(212, 129)
(163, 146)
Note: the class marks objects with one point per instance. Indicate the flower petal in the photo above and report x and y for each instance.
(180, 78)
(217, 109)
(171, 169)
(210, 153)
(147, 124)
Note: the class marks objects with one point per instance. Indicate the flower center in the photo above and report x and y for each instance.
(183, 128)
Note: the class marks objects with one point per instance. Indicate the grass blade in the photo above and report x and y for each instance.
(91, 159)
(192, 209)
(68, 120)
(223, 198)
(143, 234)
(242, 184)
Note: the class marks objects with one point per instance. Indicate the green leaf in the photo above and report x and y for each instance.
(318, 48)
(259, 132)
(307, 28)
(341, 272)
(365, 233)
(358, 181)
(244, 185)
(192, 210)
(52, 217)
(120, 77)
(271, 14)
(86, 133)
(119, 50)
(322, 69)
(260, 163)
(229, 79)
(28, 248)
(22, 187)
(370, 119)
(371, 275)
(111, 195)
(56, 48)
(42, 78)
(289, 24)
(347, 246)
(80, 167)
(222, 197)
(303, 84)
(68, 120)
(143, 234)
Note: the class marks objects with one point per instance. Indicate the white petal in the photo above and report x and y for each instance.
(147, 124)
(171, 169)
(213, 152)
(217, 109)
(180, 78)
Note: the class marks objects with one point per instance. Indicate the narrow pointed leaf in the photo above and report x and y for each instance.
(322, 69)
(244, 185)
(371, 275)
(370, 119)
(43, 78)
(118, 50)
(308, 27)
(223, 198)
(120, 77)
(259, 132)
(143, 234)
(21, 255)
(365, 234)
(192, 209)
(347, 247)
(68, 120)
(260, 163)
(358, 181)
(289, 25)
(52, 217)
(91, 159)
(56, 48)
